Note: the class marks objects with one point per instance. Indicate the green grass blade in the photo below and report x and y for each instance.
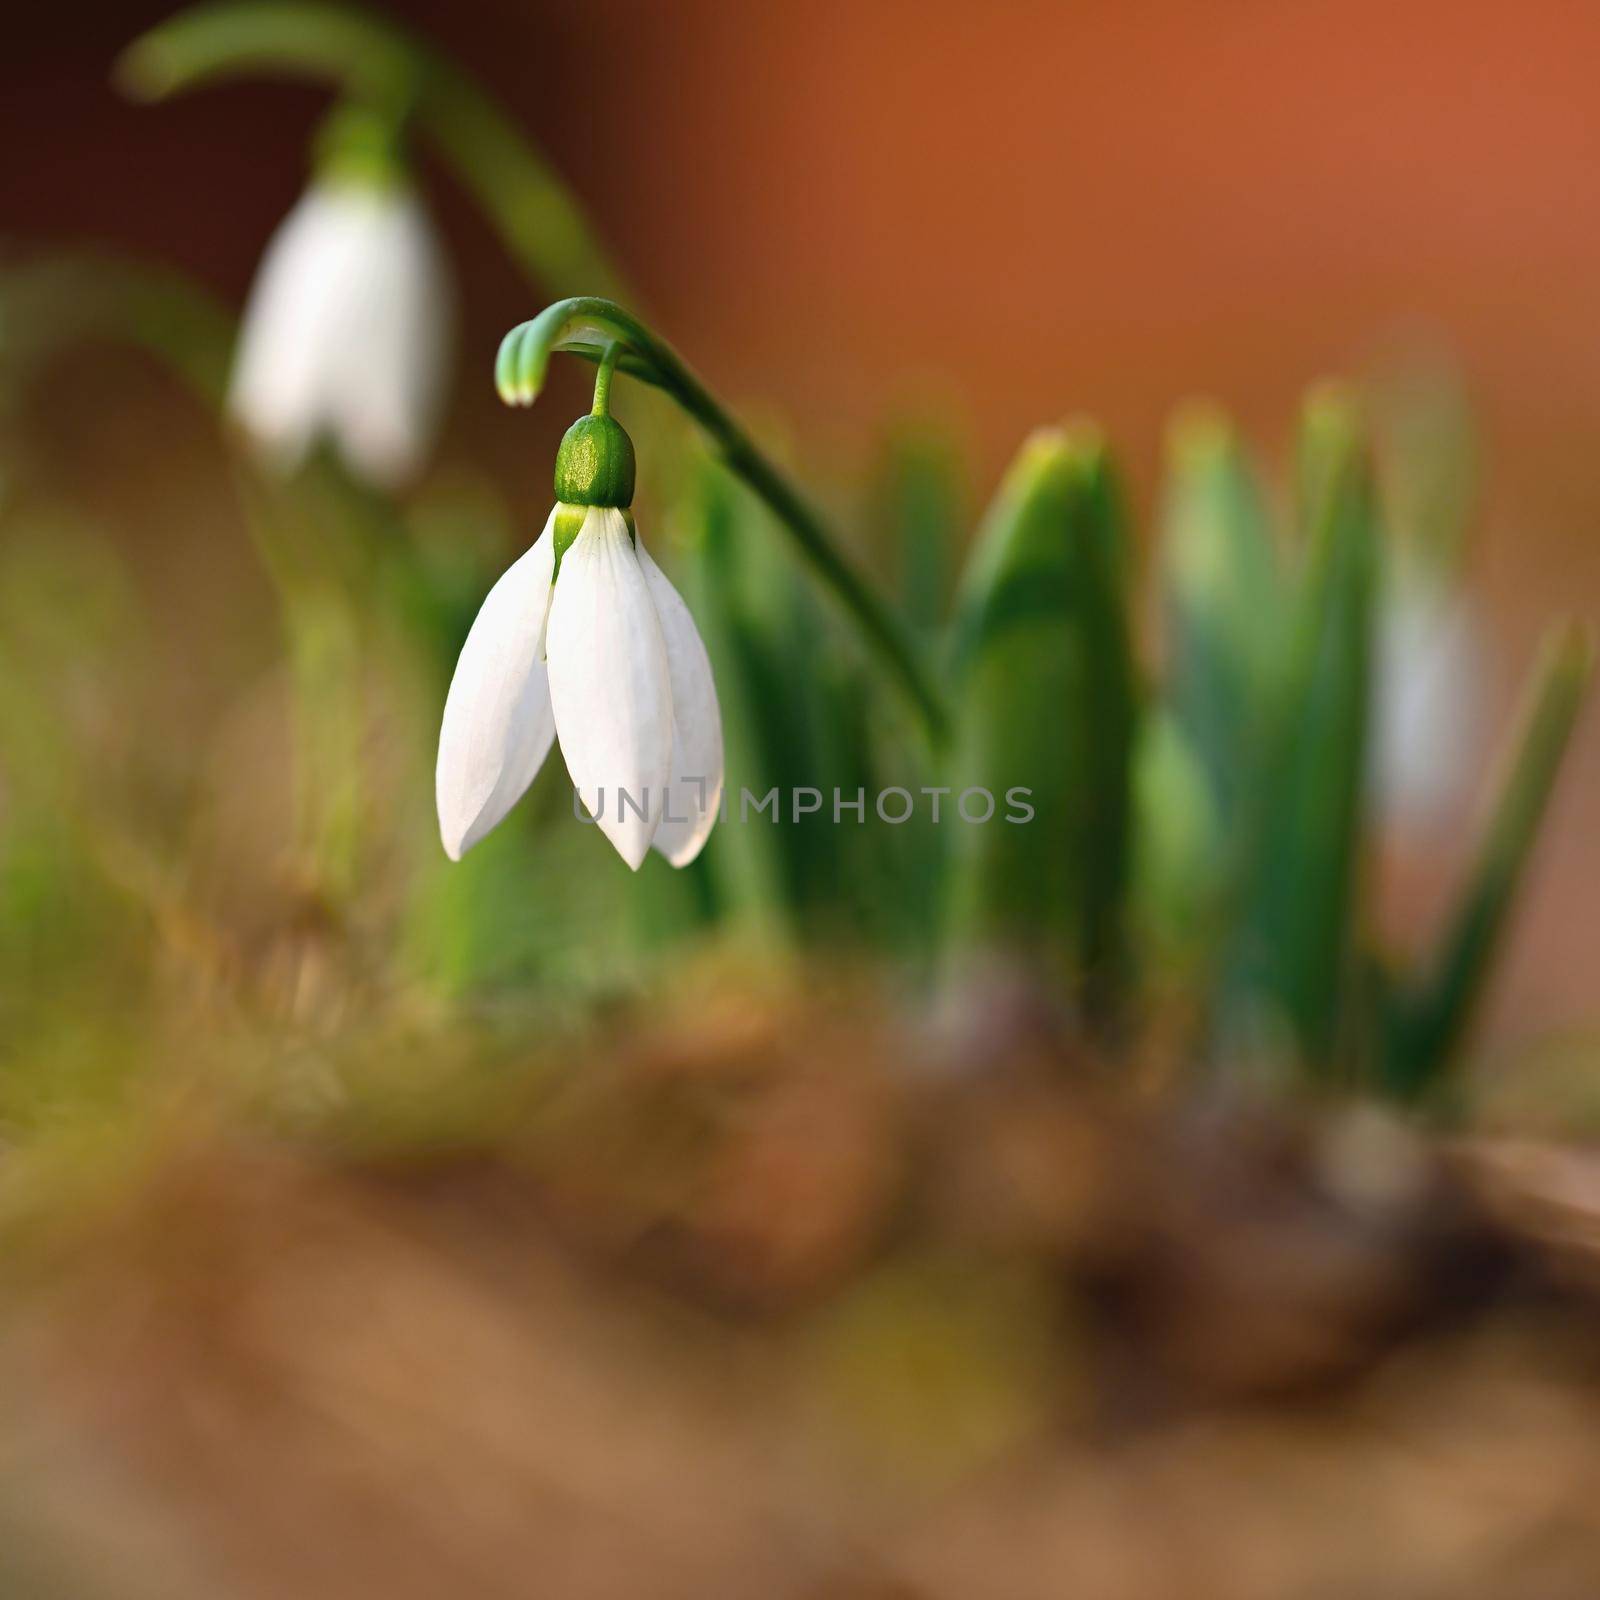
(1429, 1021)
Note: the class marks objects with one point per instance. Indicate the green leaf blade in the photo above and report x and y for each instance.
(1292, 961)
(1047, 705)
(1430, 1018)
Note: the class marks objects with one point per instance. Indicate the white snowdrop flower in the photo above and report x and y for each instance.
(1427, 692)
(585, 640)
(347, 331)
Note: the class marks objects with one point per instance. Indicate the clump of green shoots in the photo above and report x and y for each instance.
(1207, 824)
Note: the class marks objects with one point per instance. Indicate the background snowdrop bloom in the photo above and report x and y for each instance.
(1428, 689)
(1431, 659)
(584, 639)
(347, 329)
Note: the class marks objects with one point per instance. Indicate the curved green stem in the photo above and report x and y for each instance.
(61, 300)
(374, 61)
(589, 327)
(51, 304)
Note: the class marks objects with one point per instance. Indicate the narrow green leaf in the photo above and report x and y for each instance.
(747, 855)
(1429, 1020)
(1179, 871)
(1224, 602)
(1290, 965)
(1047, 695)
(919, 501)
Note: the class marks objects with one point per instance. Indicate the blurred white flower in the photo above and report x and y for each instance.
(1428, 692)
(347, 332)
(604, 656)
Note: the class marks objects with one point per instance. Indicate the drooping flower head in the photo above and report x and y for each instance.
(584, 639)
(347, 332)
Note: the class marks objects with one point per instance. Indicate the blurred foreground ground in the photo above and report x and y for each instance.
(794, 1300)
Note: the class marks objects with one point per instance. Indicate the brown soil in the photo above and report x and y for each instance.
(787, 1308)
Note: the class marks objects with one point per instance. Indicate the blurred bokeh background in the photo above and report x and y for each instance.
(860, 1213)
(1004, 213)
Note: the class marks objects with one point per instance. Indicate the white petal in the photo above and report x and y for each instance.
(277, 389)
(498, 725)
(694, 795)
(1428, 688)
(348, 332)
(609, 683)
(391, 352)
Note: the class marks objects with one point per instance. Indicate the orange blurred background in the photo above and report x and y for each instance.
(1019, 209)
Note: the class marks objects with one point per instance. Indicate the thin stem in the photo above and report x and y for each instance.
(599, 330)
(375, 62)
(56, 301)
(60, 301)
(602, 380)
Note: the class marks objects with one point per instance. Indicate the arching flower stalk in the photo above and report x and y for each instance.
(585, 640)
(599, 330)
(347, 332)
